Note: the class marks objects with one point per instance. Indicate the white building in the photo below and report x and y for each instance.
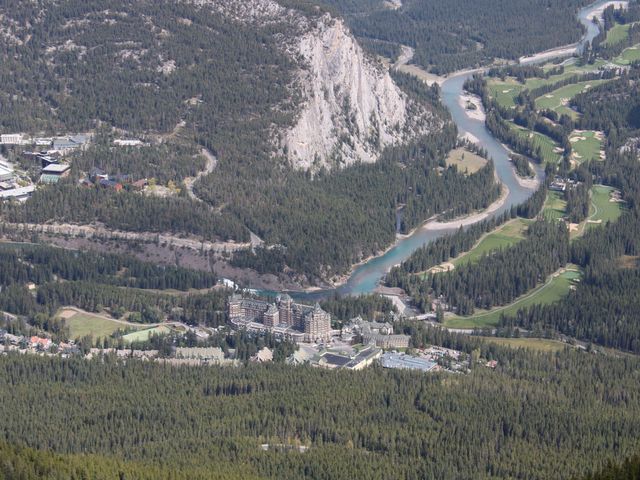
(20, 194)
(121, 142)
(12, 139)
(6, 171)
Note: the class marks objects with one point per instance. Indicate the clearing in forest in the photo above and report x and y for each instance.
(82, 323)
(539, 344)
(144, 335)
(555, 206)
(465, 160)
(628, 56)
(617, 34)
(551, 151)
(586, 145)
(558, 100)
(605, 206)
(504, 92)
(503, 237)
(556, 287)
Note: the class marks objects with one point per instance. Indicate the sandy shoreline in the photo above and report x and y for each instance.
(470, 137)
(531, 183)
(402, 65)
(565, 51)
(473, 218)
(476, 114)
(429, 224)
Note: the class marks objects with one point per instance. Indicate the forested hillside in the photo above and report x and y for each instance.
(216, 77)
(452, 35)
(537, 416)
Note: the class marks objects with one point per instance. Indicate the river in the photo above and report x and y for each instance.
(366, 277)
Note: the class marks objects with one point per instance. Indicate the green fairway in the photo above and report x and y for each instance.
(505, 236)
(630, 55)
(569, 70)
(552, 291)
(554, 206)
(558, 100)
(83, 324)
(504, 92)
(143, 335)
(539, 344)
(549, 148)
(603, 209)
(586, 145)
(617, 34)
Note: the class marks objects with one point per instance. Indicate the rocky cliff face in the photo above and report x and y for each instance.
(351, 108)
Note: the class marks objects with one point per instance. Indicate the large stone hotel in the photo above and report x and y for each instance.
(284, 317)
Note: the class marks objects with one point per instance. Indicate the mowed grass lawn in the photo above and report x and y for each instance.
(554, 206)
(465, 160)
(604, 210)
(553, 290)
(586, 145)
(539, 344)
(504, 92)
(143, 335)
(83, 324)
(546, 144)
(507, 235)
(558, 100)
(630, 55)
(617, 34)
(569, 70)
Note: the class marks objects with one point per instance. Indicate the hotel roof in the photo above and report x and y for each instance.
(400, 360)
(56, 168)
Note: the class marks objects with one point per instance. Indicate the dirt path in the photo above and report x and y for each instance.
(99, 231)
(211, 164)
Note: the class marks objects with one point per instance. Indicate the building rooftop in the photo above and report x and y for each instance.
(56, 168)
(211, 353)
(17, 192)
(336, 360)
(407, 362)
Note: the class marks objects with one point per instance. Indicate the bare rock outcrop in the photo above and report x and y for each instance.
(351, 108)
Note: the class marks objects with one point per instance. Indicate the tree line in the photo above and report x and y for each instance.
(400, 424)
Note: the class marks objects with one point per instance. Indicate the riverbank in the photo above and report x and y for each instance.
(365, 276)
(473, 218)
(406, 55)
(476, 112)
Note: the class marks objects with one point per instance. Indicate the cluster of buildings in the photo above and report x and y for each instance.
(560, 184)
(63, 145)
(9, 186)
(99, 177)
(359, 344)
(194, 356)
(284, 318)
(374, 333)
(48, 159)
(356, 360)
(35, 345)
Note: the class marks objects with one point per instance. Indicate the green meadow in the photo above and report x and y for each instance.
(552, 291)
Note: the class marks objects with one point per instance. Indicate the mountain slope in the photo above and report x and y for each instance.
(242, 79)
